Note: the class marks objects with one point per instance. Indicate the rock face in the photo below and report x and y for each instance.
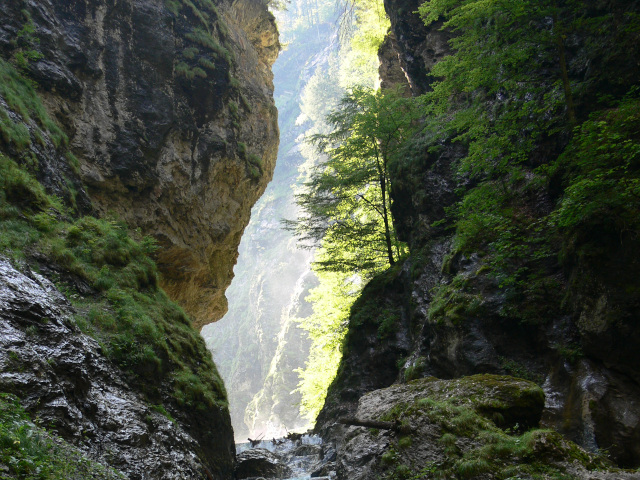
(580, 355)
(64, 376)
(169, 106)
(159, 113)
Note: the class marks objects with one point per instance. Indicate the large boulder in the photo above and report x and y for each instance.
(472, 427)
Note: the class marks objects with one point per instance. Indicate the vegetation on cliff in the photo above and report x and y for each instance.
(505, 94)
(108, 274)
(519, 197)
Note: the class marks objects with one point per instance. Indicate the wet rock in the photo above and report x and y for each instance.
(64, 380)
(259, 462)
(326, 471)
(306, 450)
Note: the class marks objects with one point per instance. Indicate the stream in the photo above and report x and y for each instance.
(295, 457)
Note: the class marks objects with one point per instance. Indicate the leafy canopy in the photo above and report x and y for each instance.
(505, 84)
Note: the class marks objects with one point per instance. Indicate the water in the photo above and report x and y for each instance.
(302, 454)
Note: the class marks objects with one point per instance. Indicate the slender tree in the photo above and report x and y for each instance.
(346, 202)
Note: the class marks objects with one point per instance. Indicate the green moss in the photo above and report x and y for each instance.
(163, 411)
(30, 452)
(474, 445)
(416, 370)
(453, 302)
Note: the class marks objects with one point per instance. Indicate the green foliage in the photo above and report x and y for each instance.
(184, 70)
(331, 301)
(364, 25)
(233, 109)
(205, 27)
(25, 44)
(207, 63)
(255, 160)
(503, 92)
(602, 172)
(242, 149)
(346, 202)
(190, 53)
(340, 255)
(30, 452)
(486, 92)
(18, 189)
(205, 39)
(416, 370)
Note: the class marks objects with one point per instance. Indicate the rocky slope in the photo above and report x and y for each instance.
(63, 377)
(453, 319)
(133, 134)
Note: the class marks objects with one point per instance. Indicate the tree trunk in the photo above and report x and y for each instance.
(395, 426)
(385, 211)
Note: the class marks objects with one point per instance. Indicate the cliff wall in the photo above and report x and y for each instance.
(169, 109)
(135, 137)
(453, 318)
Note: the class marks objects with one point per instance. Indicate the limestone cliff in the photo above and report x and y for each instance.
(168, 107)
(134, 135)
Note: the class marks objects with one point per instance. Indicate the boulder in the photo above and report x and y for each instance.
(259, 462)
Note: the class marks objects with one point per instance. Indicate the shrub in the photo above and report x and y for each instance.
(21, 97)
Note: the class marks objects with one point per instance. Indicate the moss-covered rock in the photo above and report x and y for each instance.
(482, 427)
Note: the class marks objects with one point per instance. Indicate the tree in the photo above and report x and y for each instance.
(346, 200)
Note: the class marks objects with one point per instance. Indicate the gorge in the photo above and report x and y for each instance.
(137, 135)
